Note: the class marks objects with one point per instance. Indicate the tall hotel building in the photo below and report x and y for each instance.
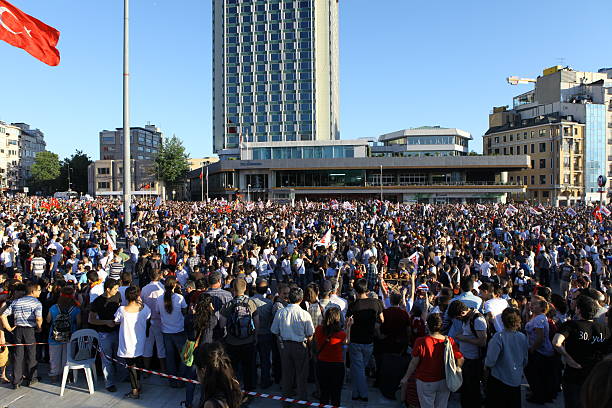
(275, 72)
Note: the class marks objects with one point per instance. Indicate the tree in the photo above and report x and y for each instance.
(45, 170)
(171, 163)
(78, 164)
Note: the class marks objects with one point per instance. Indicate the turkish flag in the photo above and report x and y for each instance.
(24, 31)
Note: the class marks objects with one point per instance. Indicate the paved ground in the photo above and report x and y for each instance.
(156, 394)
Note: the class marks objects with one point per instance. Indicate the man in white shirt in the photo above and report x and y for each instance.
(495, 305)
(149, 295)
(335, 299)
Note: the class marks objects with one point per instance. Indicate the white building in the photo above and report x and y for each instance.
(275, 72)
(423, 141)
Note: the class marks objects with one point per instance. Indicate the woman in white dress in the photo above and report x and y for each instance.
(133, 320)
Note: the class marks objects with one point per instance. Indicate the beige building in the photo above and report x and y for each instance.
(105, 178)
(202, 161)
(556, 149)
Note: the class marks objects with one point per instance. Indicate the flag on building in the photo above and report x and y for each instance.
(570, 211)
(325, 240)
(26, 32)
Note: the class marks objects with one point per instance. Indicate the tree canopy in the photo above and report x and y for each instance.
(46, 167)
(171, 163)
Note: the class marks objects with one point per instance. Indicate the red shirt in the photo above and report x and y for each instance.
(332, 351)
(431, 352)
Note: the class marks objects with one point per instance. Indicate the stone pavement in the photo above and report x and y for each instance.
(156, 393)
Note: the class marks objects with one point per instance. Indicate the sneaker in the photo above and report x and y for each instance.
(112, 388)
(15, 386)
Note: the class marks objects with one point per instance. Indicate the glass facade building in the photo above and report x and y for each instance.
(595, 146)
(274, 71)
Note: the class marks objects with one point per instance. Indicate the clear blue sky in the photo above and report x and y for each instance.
(403, 64)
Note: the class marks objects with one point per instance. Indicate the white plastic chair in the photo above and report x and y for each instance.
(83, 345)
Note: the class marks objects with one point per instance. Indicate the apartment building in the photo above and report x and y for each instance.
(563, 100)
(144, 143)
(105, 178)
(556, 149)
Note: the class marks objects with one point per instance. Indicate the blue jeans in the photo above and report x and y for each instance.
(191, 373)
(109, 342)
(360, 356)
(174, 345)
(264, 349)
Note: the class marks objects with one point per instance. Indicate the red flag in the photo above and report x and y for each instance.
(24, 31)
(201, 173)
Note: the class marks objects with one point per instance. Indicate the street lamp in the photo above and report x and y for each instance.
(69, 183)
(248, 193)
(173, 194)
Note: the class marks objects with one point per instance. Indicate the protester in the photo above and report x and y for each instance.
(507, 354)
(330, 340)
(27, 317)
(293, 327)
(428, 366)
(64, 318)
(220, 389)
(172, 309)
(133, 321)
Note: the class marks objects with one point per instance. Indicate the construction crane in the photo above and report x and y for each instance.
(514, 80)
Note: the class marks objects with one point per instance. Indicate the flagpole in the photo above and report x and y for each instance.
(202, 182)
(127, 179)
(207, 183)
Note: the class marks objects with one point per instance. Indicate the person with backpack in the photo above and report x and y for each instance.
(64, 318)
(240, 318)
(472, 342)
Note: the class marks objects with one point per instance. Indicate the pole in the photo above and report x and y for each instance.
(69, 184)
(206, 183)
(127, 177)
(248, 193)
(381, 185)
(202, 182)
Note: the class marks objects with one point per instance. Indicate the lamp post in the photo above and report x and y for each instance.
(69, 183)
(173, 194)
(127, 177)
(248, 193)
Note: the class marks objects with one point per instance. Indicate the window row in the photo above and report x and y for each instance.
(276, 46)
(311, 152)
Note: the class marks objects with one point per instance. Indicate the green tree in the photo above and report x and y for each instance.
(171, 163)
(44, 171)
(77, 164)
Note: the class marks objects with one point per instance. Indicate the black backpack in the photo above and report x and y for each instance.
(240, 323)
(62, 327)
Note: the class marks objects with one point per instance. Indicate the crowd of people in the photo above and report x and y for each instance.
(313, 296)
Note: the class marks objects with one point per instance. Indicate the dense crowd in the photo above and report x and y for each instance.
(312, 296)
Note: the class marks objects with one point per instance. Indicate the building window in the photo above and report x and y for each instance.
(532, 148)
(524, 179)
(542, 179)
(511, 150)
(103, 184)
(542, 163)
(542, 147)
(532, 179)
(103, 170)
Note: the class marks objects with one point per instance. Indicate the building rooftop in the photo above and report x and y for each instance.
(425, 131)
(524, 123)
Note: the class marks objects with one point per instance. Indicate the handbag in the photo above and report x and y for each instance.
(454, 376)
(188, 351)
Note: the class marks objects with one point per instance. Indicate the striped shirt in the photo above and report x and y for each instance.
(25, 310)
(38, 265)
